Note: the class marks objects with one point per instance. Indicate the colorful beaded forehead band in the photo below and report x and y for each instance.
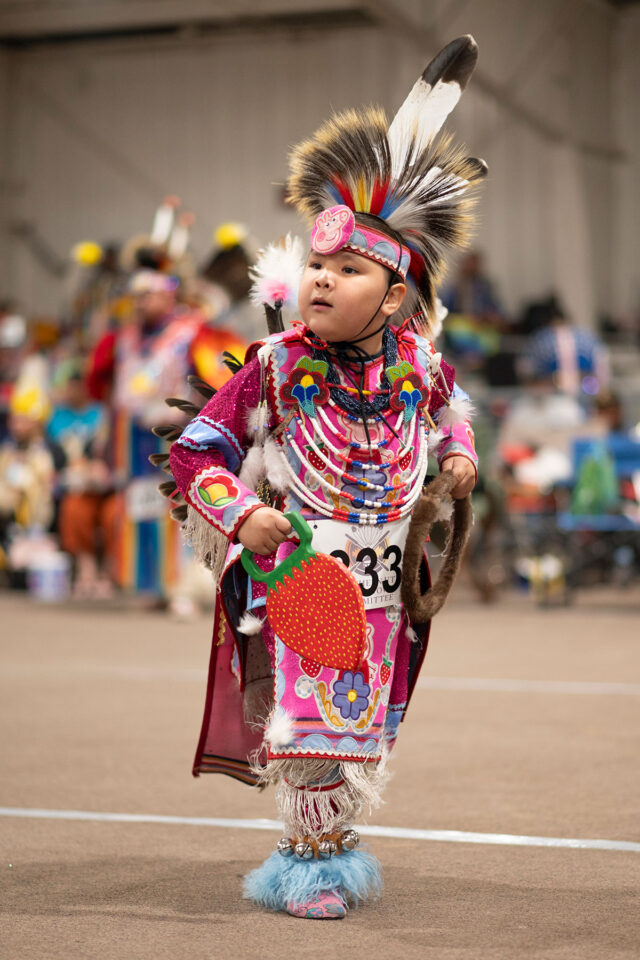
(336, 229)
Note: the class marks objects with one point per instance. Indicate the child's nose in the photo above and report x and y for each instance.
(323, 277)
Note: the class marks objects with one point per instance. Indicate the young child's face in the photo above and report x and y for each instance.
(341, 292)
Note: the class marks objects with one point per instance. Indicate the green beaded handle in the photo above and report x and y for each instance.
(304, 551)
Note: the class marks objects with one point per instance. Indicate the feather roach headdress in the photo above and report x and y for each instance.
(419, 184)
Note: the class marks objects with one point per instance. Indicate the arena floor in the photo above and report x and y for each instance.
(524, 732)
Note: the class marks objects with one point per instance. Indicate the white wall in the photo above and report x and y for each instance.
(4, 157)
(99, 133)
(626, 246)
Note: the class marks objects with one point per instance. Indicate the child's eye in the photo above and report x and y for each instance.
(349, 270)
(314, 265)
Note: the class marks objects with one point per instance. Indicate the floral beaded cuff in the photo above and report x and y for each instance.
(222, 499)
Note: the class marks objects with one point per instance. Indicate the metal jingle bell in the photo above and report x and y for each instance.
(284, 847)
(350, 840)
(326, 849)
(304, 850)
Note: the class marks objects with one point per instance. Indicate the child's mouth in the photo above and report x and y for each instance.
(320, 304)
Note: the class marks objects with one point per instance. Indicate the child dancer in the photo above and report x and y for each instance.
(333, 419)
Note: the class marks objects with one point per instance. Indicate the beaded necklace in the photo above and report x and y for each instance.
(354, 444)
(378, 515)
(344, 475)
(347, 477)
(365, 408)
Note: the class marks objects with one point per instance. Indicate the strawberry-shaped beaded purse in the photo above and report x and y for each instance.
(314, 604)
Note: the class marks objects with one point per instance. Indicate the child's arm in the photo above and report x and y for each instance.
(209, 453)
(456, 451)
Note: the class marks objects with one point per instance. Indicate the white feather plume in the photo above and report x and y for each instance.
(162, 224)
(441, 314)
(275, 469)
(445, 510)
(179, 241)
(279, 732)
(436, 440)
(420, 116)
(459, 410)
(430, 101)
(250, 624)
(277, 272)
(257, 422)
(253, 467)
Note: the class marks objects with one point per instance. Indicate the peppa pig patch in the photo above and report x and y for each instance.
(332, 229)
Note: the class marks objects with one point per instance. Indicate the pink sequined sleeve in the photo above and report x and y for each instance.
(458, 439)
(459, 442)
(209, 453)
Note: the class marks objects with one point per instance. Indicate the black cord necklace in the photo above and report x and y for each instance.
(349, 354)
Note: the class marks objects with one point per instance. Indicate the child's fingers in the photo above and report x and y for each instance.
(463, 488)
(283, 525)
(464, 473)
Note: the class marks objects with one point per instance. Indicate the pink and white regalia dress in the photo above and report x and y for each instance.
(284, 418)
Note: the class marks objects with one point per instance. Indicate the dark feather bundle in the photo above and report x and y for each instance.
(231, 362)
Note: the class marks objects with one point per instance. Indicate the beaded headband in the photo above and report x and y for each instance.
(336, 229)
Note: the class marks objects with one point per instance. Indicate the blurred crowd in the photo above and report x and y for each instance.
(558, 430)
(79, 395)
(80, 513)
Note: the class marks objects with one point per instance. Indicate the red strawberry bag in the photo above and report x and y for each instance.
(313, 603)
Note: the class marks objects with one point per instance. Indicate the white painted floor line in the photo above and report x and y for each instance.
(529, 686)
(398, 833)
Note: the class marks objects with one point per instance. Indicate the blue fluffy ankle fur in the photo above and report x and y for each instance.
(282, 880)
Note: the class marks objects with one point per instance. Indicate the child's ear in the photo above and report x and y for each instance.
(395, 296)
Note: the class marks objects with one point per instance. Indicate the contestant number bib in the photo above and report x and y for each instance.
(373, 555)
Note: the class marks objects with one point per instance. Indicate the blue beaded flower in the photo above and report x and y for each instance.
(351, 694)
(306, 385)
(409, 392)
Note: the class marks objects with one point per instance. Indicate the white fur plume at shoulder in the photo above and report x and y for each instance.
(458, 410)
(276, 274)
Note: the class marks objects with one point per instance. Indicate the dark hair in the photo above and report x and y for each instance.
(370, 220)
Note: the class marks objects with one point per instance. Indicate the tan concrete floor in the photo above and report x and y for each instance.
(100, 710)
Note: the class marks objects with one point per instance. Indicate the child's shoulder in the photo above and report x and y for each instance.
(413, 340)
(286, 338)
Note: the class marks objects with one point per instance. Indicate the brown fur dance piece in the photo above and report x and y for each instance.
(422, 607)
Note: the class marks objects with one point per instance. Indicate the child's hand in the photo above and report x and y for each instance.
(463, 471)
(264, 530)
